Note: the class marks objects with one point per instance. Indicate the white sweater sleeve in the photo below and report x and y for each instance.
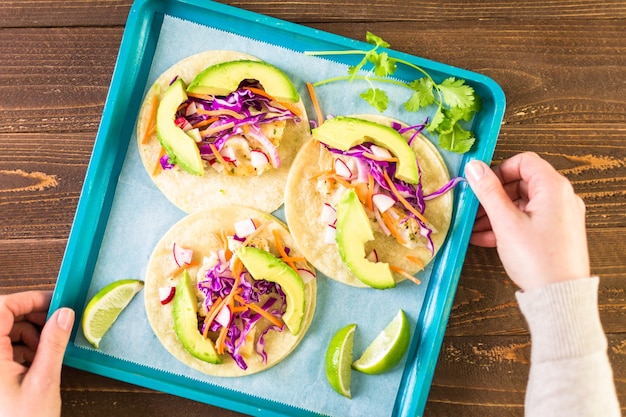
(570, 373)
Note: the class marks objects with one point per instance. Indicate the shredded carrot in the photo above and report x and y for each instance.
(227, 252)
(237, 270)
(416, 260)
(221, 240)
(392, 225)
(293, 259)
(218, 156)
(220, 346)
(281, 249)
(370, 192)
(206, 122)
(239, 309)
(212, 313)
(212, 130)
(151, 124)
(320, 174)
(362, 192)
(405, 274)
(272, 319)
(264, 93)
(379, 158)
(157, 166)
(316, 106)
(200, 96)
(183, 105)
(405, 203)
(342, 181)
(225, 112)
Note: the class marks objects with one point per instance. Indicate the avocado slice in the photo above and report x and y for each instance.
(263, 265)
(345, 132)
(180, 147)
(353, 230)
(224, 78)
(185, 310)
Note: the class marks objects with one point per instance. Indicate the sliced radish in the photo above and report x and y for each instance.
(330, 232)
(258, 158)
(244, 228)
(383, 202)
(267, 144)
(305, 274)
(224, 316)
(182, 256)
(228, 154)
(166, 294)
(182, 123)
(373, 256)
(342, 169)
(329, 214)
(216, 165)
(380, 152)
(191, 109)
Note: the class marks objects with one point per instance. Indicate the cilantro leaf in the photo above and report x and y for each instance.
(423, 94)
(383, 65)
(452, 99)
(456, 93)
(377, 98)
(457, 139)
(437, 119)
(375, 40)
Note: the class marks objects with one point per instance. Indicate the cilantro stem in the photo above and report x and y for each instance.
(357, 52)
(360, 77)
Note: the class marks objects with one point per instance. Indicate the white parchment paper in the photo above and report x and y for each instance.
(140, 215)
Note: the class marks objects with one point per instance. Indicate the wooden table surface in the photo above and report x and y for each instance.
(561, 63)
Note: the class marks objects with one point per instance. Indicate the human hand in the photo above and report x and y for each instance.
(531, 214)
(31, 390)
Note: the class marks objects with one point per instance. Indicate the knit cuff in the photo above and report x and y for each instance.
(563, 319)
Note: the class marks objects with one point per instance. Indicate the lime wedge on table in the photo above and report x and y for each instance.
(104, 308)
(339, 359)
(387, 349)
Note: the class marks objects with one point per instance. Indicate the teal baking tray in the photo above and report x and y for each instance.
(94, 212)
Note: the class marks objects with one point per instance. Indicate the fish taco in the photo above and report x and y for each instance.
(368, 200)
(221, 127)
(227, 293)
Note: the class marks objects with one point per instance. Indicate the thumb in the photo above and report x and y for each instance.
(489, 191)
(46, 367)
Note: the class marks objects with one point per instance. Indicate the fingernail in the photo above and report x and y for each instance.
(65, 318)
(474, 170)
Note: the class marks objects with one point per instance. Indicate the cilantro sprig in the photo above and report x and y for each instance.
(455, 101)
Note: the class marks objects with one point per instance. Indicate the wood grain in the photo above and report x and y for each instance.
(561, 63)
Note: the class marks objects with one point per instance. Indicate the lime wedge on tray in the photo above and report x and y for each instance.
(104, 308)
(339, 359)
(387, 349)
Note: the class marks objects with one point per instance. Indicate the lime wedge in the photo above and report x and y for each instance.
(387, 349)
(104, 308)
(339, 358)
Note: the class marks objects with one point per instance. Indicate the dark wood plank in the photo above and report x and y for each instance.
(55, 80)
(537, 87)
(562, 65)
(115, 12)
(483, 376)
(487, 376)
(41, 177)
